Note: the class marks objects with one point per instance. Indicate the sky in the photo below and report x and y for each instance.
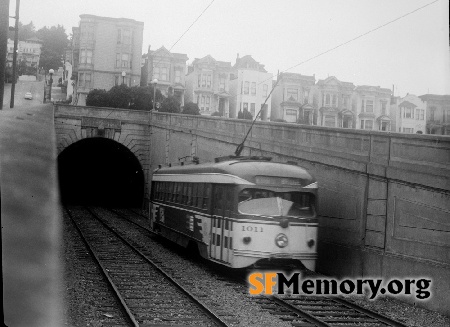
(386, 43)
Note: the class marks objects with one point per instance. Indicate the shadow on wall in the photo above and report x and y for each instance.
(99, 171)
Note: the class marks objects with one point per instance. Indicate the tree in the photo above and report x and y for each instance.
(97, 98)
(191, 108)
(170, 104)
(25, 32)
(54, 42)
(142, 97)
(120, 96)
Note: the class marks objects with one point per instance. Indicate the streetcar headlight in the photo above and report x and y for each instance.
(247, 239)
(281, 240)
(311, 243)
(284, 223)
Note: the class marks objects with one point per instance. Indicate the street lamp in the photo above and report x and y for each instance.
(51, 72)
(154, 82)
(123, 77)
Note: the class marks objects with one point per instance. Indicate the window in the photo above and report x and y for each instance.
(86, 56)
(265, 89)
(199, 76)
(84, 80)
(252, 109)
(422, 115)
(207, 103)
(383, 107)
(222, 83)
(327, 99)
(246, 86)
(245, 106)
(445, 115)
(163, 74)
(367, 124)
(305, 96)
(117, 59)
(177, 76)
(292, 94)
(156, 72)
(291, 115)
(368, 106)
(432, 112)
(407, 113)
(408, 130)
(330, 120)
(334, 100)
(125, 60)
(119, 36)
(253, 88)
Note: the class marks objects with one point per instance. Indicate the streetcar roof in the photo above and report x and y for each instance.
(238, 171)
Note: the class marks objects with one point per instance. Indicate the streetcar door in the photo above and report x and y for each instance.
(221, 224)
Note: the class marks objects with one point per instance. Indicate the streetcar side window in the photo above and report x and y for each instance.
(218, 198)
(189, 194)
(194, 194)
(206, 192)
(200, 196)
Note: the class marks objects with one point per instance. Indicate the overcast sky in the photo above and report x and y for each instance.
(411, 53)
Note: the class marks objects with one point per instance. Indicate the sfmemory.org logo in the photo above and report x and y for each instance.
(269, 283)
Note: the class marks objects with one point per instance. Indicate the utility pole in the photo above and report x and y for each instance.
(16, 40)
(4, 27)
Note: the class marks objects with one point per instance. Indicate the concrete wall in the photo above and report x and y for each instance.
(128, 127)
(384, 197)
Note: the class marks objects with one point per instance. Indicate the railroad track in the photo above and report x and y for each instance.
(319, 311)
(148, 295)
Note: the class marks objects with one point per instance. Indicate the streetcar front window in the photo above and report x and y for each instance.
(268, 203)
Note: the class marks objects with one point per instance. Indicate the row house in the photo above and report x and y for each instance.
(291, 100)
(408, 114)
(208, 85)
(28, 50)
(105, 52)
(169, 70)
(372, 108)
(250, 84)
(334, 101)
(438, 113)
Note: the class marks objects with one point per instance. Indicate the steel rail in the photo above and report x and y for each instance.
(104, 272)
(204, 308)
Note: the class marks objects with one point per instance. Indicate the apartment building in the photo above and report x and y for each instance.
(372, 108)
(105, 52)
(437, 113)
(169, 69)
(291, 99)
(208, 85)
(250, 84)
(408, 114)
(334, 100)
(29, 50)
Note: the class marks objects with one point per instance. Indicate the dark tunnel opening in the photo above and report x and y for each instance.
(99, 171)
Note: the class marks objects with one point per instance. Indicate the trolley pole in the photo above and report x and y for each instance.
(16, 41)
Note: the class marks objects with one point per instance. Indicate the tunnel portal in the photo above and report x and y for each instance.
(100, 171)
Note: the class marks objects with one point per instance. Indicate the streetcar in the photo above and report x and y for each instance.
(238, 211)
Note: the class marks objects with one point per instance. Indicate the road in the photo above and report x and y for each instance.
(36, 89)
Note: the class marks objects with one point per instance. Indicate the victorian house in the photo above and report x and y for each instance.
(105, 52)
(372, 108)
(408, 115)
(291, 100)
(168, 70)
(250, 85)
(334, 100)
(438, 113)
(208, 85)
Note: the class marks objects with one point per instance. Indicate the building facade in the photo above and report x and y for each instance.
(408, 114)
(438, 113)
(291, 100)
(372, 108)
(105, 52)
(250, 84)
(208, 85)
(334, 100)
(169, 69)
(29, 50)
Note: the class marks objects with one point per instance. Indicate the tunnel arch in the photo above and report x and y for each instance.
(100, 171)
